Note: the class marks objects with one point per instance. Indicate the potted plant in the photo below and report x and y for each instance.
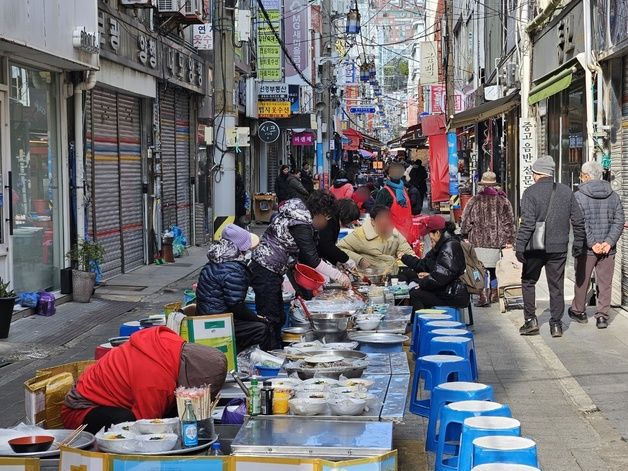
(84, 254)
(7, 302)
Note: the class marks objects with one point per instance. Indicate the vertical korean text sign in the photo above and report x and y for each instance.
(269, 63)
(527, 152)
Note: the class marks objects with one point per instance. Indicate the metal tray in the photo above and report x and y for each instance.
(83, 441)
(378, 338)
(312, 437)
(178, 451)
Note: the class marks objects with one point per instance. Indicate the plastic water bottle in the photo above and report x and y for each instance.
(216, 450)
(254, 398)
(189, 426)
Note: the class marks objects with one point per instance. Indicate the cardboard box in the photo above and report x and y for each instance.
(215, 331)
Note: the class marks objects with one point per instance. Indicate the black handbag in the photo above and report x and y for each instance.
(537, 241)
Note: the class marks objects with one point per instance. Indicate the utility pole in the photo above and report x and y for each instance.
(450, 89)
(223, 200)
(328, 45)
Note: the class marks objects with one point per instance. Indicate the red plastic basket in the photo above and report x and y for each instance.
(307, 277)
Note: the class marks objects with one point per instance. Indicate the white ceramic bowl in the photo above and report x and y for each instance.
(305, 406)
(347, 405)
(155, 426)
(123, 427)
(321, 383)
(117, 441)
(343, 391)
(356, 382)
(308, 394)
(156, 443)
(371, 399)
(368, 324)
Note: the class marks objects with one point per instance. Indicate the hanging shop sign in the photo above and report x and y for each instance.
(452, 154)
(203, 37)
(85, 40)
(294, 95)
(273, 91)
(297, 36)
(303, 139)
(130, 44)
(268, 48)
(429, 62)
(527, 152)
(438, 96)
(362, 109)
(268, 132)
(273, 109)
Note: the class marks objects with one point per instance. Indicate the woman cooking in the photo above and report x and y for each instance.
(137, 380)
(290, 234)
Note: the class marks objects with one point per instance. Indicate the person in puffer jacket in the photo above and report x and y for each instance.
(289, 237)
(604, 223)
(223, 283)
(435, 278)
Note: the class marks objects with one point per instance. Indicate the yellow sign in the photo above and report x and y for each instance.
(273, 109)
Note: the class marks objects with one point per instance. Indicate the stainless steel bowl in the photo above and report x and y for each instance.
(376, 277)
(331, 322)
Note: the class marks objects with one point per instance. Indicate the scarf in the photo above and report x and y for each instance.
(399, 191)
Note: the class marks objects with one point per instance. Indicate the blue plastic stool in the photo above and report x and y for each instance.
(424, 342)
(504, 467)
(476, 427)
(420, 319)
(451, 333)
(505, 449)
(447, 393)
(452, 417)
(435, 370)
(129, 328)
(455, 312)
(455, 345)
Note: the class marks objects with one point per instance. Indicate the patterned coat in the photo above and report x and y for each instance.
(488, 220)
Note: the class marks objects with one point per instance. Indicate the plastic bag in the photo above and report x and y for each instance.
(179, 242)
(234, 412)
(46, 304)
(29, 299)
(256, 356)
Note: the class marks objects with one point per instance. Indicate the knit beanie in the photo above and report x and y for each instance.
(544, 165)
(241, 238)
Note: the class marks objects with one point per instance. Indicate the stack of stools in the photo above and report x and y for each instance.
(466, 428)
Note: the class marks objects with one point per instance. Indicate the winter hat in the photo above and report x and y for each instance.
(241, 238)
(544, 166)
(435, 223)
(488, 179)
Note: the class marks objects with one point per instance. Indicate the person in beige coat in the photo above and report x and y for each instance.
(376, 244)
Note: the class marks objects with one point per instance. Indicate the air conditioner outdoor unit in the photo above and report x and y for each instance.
(192, 8)
(138, 3)
(168, 6)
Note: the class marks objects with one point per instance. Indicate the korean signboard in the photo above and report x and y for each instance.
(362, 109)
(527, 152)
(303, 139)
(203, 37)
(273, 91)
(438, 97)
(268, 48)
(139, 49)
(273, 109)
(296, 36)
(429, 63)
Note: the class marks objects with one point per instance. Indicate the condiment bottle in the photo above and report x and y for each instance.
(267, 398)
(189, 426)
(254, 398)
(280, 401)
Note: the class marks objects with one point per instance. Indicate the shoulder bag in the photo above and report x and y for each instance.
(537, 241)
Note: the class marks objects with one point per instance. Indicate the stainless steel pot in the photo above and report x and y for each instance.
(331, 322)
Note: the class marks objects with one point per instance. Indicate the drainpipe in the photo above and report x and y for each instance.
(590, 67)
(88, 84)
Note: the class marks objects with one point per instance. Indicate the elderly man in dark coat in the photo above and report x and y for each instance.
(604, 224)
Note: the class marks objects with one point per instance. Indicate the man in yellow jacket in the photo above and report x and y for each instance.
(376, 244)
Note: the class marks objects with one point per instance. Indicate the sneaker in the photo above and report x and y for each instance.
(601, 323)
(580, 318)
(530, 327)
(556, 330)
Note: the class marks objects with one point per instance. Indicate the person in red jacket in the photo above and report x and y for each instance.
(137, 380)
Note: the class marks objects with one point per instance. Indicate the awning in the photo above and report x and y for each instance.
(485, 111)
(551, 86)
(365, 153)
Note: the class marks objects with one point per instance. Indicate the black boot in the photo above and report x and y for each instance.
(530, 327)
(601, 323)
(556, 330)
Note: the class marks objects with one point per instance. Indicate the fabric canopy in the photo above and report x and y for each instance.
(485, 111)
(555, 84)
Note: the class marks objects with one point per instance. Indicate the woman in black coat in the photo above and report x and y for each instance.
(347, 213)
(435, 278)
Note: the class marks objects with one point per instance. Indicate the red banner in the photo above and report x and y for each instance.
(439, 167)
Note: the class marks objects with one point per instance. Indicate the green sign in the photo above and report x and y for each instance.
(268, 48)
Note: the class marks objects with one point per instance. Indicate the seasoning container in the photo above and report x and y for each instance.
(280, 401)
(254, 398)
(267, 398)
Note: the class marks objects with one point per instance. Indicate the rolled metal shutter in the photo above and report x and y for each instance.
(101, 156)
(622, 177)
(131, 196)
(168, 159)
(183, 187)
(273, 164)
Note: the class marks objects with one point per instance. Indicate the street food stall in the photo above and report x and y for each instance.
(335, 395)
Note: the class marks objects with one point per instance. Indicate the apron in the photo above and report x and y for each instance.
(402, 216)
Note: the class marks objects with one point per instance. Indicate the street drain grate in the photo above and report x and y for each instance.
(123, 287)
